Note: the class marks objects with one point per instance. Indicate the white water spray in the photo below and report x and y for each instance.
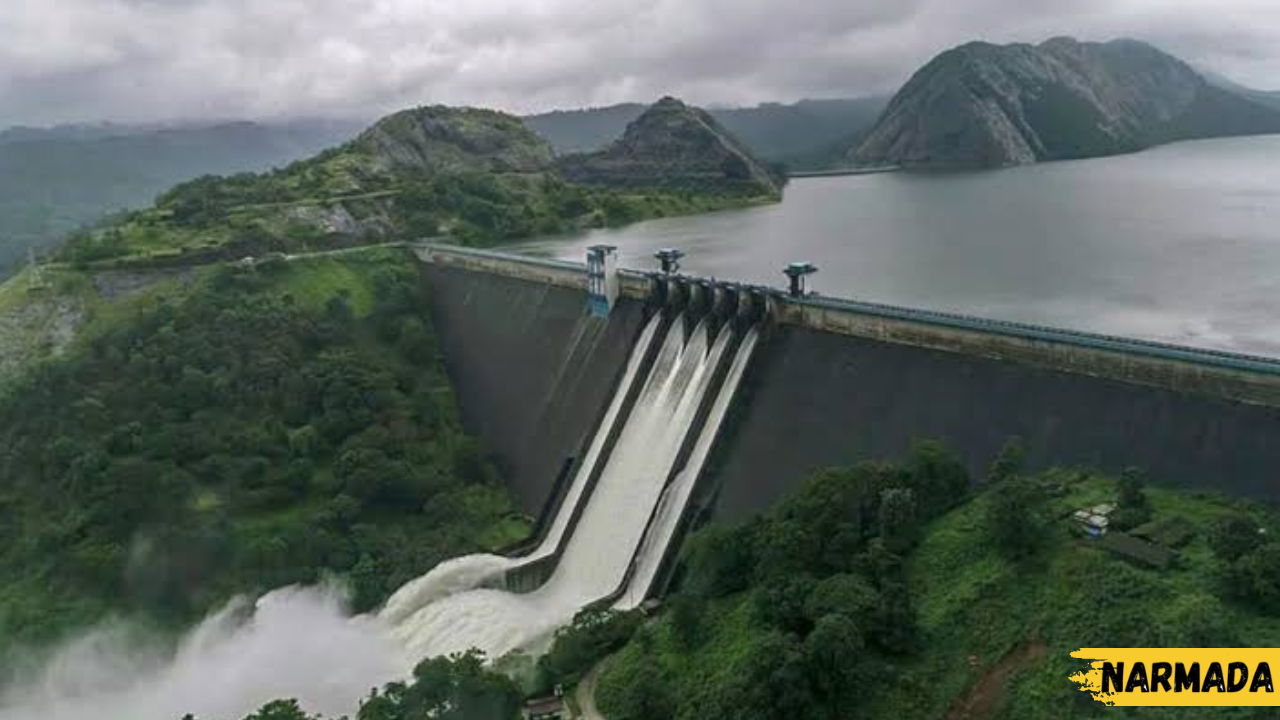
(676, 497)
(300, 643)
(472, 571)
(612, 524)
(296, 643)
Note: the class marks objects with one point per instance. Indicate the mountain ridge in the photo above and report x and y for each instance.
(673, 146)
(807, 134)
(479, 176)
(986, 105)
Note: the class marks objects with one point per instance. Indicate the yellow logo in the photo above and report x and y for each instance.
(1179, 676)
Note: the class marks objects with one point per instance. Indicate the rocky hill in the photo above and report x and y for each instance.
(673, 146)
(984, 105)
(808, 134)
(443, 139)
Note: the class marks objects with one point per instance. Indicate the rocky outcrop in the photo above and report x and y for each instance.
(446, 139)
(673, 146)
(984, 105)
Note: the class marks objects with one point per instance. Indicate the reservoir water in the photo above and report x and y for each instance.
(1180, 243)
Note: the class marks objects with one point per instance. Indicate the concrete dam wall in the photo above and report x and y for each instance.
(836, 383)
(533, 370)
(817, 399)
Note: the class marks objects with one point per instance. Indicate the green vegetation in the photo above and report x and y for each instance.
(456, 688)
(806, 135)
(247, 429)
(477, 176)
(843, 602)
(54, 182)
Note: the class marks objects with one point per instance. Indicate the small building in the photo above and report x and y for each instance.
(1093, 521)
(547, 708)
(602, 279)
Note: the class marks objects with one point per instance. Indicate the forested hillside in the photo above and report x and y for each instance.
(478, 176)
(247, 429)
(892, 590)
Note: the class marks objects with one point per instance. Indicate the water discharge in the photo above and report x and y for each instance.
(469, 572)
(612, 524)
(295, 643)
(674, 499)
(300, 643)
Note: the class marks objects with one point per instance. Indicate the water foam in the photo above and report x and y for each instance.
(296, 643)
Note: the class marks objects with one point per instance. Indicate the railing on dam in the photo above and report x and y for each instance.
(1237, 376)
(1133, 346)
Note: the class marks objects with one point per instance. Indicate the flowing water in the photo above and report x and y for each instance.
(676, 496)
(469, 572)
(301, 643)
(599, 552)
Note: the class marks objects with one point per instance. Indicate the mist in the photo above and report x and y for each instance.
(293, 643)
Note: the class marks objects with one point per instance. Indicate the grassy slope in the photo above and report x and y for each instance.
(973, 602)
(975, 608)
(63, 564)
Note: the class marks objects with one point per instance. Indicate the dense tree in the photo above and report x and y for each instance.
(1009, 463)
(592, 636)
(721, 560)
(1234, 536)
(898, 523)
(1133, 508)
(834, 655)
(1255, 577)
(233, 438)
(1016, 520)
(647, 695)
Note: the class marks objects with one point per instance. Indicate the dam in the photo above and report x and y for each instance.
(622, 422)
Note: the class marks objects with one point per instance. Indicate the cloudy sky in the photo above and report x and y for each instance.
(129, 60)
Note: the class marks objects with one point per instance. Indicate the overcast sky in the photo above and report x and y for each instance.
(128, 60)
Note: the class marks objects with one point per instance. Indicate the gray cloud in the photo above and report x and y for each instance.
(75, 60)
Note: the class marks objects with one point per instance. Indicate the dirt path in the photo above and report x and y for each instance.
(985, 696)
(586, 694)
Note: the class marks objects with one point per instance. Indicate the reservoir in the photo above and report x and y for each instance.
(1179, 244)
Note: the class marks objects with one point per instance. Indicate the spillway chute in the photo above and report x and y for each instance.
(623, 506)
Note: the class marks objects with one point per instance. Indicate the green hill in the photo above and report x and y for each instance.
(674, 148)
(886, 591)
(53, 182)
(809, 134)
(477, 176)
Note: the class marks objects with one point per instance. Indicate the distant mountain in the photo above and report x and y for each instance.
(803, 135)
(1270, 98)
(806, 134)
(53, 181)
(984, 105)
(575, 131)
(673, 146)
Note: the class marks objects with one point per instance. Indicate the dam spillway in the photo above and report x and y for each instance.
(616, 519)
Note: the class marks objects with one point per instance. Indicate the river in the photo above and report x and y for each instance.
(1180, 243)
